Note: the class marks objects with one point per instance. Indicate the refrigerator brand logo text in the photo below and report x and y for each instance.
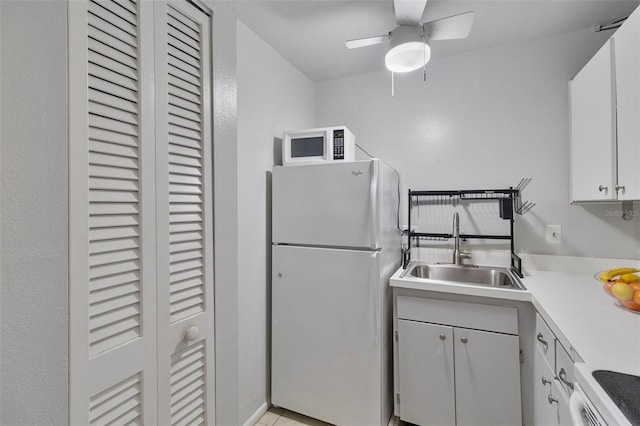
(356, 172)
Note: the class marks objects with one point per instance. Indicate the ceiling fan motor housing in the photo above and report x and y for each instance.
(408, 49)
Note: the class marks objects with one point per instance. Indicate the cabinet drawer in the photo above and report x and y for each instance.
(564, 368)
(501, 319)
(545, 341)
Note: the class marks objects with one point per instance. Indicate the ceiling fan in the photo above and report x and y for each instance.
(409, 42)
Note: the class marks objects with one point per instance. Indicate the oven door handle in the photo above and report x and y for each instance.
(577, 402)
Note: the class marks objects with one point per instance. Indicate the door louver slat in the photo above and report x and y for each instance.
(180, 59)
(113, 125)
(114, 245)
(102, 73)
(184, 86)
(114, 112)
(109, 39)
(112, 31)
(107, 63)
(101, 135)
(182, 27)
(184, 113)
(184, 73)
(127, 5)
(99, 285)
(192, 42)
(122, 17)
(111, 53)
(184, 105)
(179, 92)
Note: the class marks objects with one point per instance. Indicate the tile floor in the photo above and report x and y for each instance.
(281, 417)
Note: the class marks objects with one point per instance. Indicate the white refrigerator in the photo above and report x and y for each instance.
(336, 242)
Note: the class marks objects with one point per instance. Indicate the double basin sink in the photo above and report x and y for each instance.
(485, 276)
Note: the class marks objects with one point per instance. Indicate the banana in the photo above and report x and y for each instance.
(609, 274)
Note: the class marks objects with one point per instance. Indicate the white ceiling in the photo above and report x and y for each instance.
(311, 33)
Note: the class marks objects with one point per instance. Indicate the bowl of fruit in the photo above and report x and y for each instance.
(623, 284)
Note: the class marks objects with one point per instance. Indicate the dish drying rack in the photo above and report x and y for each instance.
(510, 201)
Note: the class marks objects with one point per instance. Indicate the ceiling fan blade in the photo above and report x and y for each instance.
(451, 28)
(409, 12)
(362, 42)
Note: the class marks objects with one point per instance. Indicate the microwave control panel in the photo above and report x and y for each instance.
(338, 144)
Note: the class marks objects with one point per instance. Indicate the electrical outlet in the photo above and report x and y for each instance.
(554, 234)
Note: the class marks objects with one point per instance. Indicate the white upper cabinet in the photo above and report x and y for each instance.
(592, 131)
(626, 43)
(605, 120)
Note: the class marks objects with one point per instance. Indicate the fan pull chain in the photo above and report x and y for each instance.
(424, 67)
(393, 88)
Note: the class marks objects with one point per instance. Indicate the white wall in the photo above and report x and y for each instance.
(486, 119)
(33, 213)
(273, 96)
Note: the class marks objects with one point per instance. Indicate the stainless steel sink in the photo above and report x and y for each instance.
(474, 275)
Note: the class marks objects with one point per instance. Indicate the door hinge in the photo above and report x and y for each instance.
(397, 336)
(397, 398)
(521, 357)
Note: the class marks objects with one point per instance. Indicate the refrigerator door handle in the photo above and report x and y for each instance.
(373, 273)
(375, 217)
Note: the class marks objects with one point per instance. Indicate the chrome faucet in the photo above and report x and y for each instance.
(457, 254)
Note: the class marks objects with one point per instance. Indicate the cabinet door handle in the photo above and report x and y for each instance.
(464, 340)
(442, 336)
(619, 187)
(551, 399)
(540, 338)
(562, 375)
(603, 188)
(545, 381)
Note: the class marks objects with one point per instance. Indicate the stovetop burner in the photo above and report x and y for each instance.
(624, 391)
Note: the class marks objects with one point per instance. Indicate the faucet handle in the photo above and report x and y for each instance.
(465, 254)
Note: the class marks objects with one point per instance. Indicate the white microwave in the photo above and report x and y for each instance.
(328, 144)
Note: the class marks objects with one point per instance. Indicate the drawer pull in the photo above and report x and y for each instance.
(545, 381)
(464, 340)
(442, 336)
(540, 338)
(551, 399)
(562, 375)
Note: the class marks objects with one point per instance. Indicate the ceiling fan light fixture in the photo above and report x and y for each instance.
(408, 50)
(408, 56)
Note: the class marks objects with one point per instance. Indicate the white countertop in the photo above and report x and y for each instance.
(579, 312)
(582, 315)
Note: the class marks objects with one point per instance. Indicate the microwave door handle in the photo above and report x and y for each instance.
(375, 219)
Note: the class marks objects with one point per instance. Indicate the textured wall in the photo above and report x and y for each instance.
(486, 119)
(272, 98)
(33, 213)
(225, 211)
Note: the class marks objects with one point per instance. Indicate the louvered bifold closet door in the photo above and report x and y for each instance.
(185, 219)
(112, 295)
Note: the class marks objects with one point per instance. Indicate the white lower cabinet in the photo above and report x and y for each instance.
(426, 373)
(487, 370)
(551, 393)
(454, 375)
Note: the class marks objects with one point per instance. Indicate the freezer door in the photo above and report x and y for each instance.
(334, 204)
(326, 335)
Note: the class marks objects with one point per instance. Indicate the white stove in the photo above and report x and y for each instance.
(589, 395)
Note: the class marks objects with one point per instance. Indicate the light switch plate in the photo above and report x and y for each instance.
(554, 234)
